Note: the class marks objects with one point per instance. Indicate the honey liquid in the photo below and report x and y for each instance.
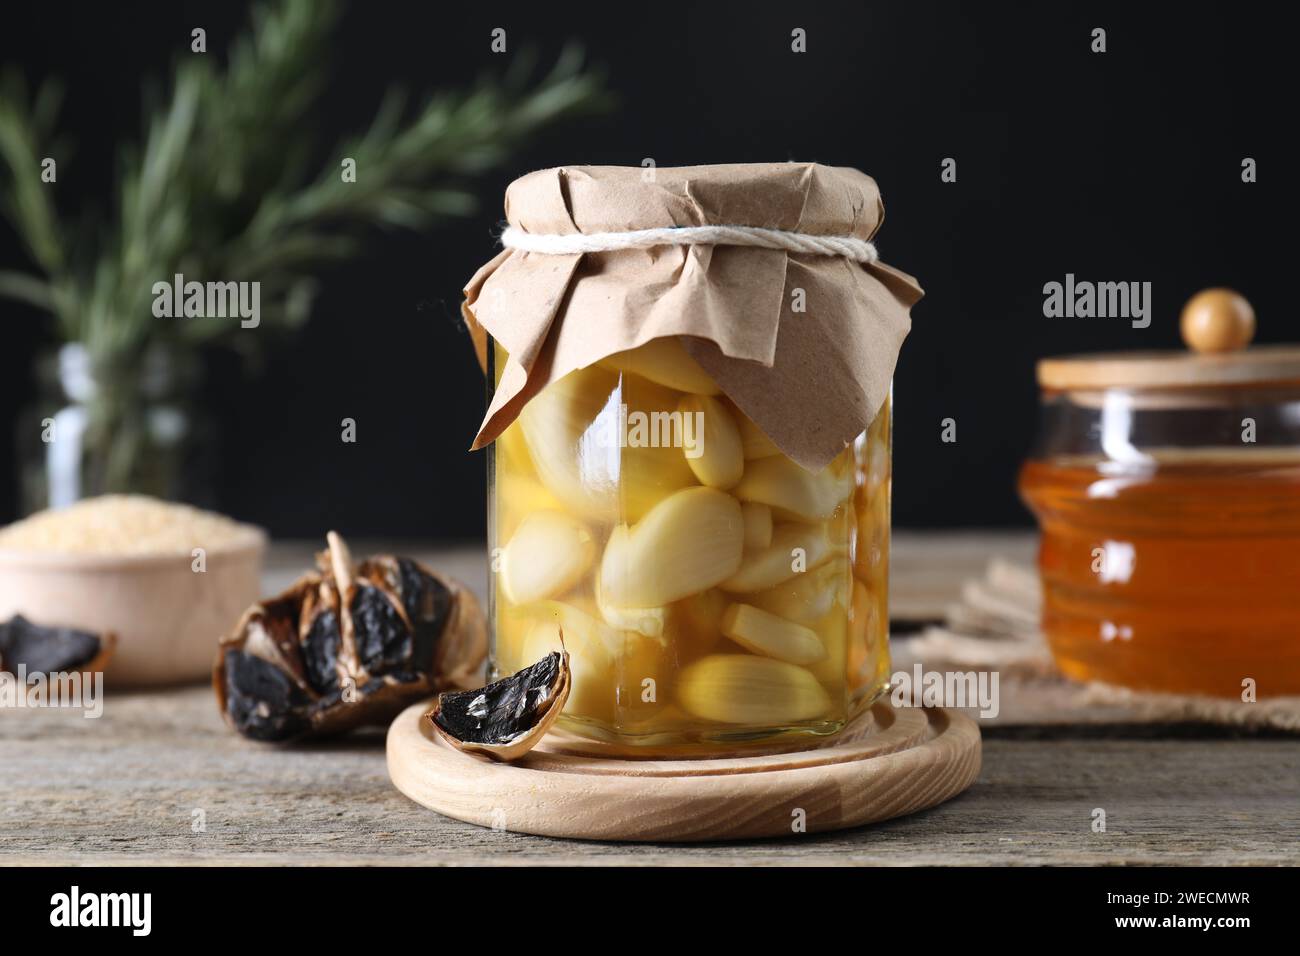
(1180, 576)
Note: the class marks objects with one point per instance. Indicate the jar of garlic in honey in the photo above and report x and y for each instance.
(1167, 487)
(689, 441)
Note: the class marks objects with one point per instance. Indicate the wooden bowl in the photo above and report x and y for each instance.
(167, 616)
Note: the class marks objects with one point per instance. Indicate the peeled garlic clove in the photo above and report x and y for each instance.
(792, 489)
(648, 621)
(753, 440)
(832, 631)
(700, 616)
(513, 449)
(667, 362)
(644, 620)
(570, 428)
(643, 667)
(651, 464)
(509, 717)
(592, 647)
(607, 445)
(548, 554)
(512, 628)
(517, 497)
(765, 633)
(745, 689)
(584, 633)
(795, 549)
(758, 525)
(805, 597)
(690, 541)
(717, 458)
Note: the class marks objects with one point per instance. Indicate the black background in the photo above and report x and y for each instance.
(1123, 166)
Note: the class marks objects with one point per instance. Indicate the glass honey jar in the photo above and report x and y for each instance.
(1167, 489)
(716, 584)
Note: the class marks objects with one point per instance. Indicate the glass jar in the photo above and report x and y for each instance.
(689, 429)
(112, 427)
(709, 589)
(1167, 489)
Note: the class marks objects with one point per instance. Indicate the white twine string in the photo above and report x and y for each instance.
(859, 250)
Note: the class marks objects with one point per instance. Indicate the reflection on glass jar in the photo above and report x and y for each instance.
(708, 588)
(113, 426)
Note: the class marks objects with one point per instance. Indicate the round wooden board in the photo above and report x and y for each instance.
(886, 764)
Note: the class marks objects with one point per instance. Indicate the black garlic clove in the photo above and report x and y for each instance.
(51, 650)
(509, 717)
(425, 601)
(385, 642)
(320, 651)
(262, 701)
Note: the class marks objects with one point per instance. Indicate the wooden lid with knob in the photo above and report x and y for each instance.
(1216, 324)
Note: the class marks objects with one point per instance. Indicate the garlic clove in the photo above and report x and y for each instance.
(765, 633)
(794, 490)
(650, 464)
(758, 524)
(648, 621)
(718, 457)
(592, 647)
(509, 717)
(805, 597)
(688, 542)
(745, 689)
(665, 361)
(548, 554)
(754, 440)
(700, 617)
(795, 549)
(570, 430)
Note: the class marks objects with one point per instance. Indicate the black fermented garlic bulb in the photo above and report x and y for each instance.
(347, 646)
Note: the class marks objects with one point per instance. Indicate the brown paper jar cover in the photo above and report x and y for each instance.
(812, 380)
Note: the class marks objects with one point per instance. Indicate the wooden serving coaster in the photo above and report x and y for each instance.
(887, 763)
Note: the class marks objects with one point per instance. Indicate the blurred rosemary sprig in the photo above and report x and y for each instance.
(223, 188)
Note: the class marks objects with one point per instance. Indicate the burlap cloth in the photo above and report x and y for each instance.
(995, 627)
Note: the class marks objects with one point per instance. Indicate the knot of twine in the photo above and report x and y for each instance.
(859, 250)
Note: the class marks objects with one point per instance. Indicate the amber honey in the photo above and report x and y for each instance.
(1180, 573)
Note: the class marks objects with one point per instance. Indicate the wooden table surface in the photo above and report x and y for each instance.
(159, 779)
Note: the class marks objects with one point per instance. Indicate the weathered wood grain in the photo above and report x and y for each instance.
(125, 788)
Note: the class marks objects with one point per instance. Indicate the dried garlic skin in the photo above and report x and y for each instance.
(51, 650)
(508, 717)
(347, 646)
